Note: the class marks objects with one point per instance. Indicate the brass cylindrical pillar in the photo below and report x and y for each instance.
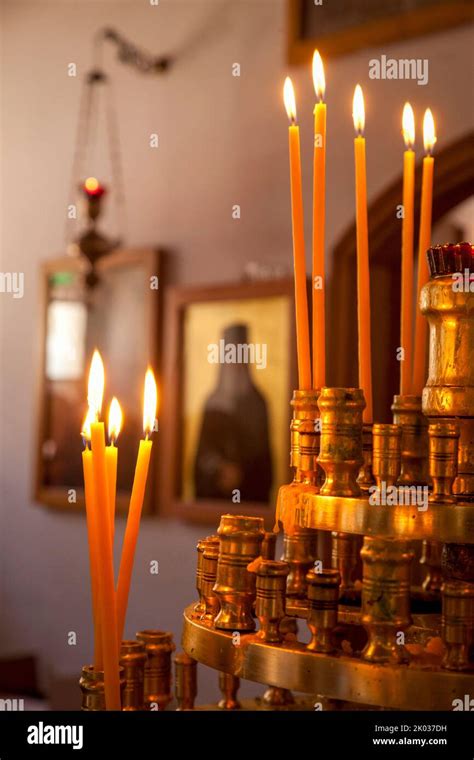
(323, 597)
(185, 669)
(240, 542)
(300, 551)
(91, 684)
(157, 684)
(209, 575)
(132, 659)
(269, 544)
(304, 436)
(414, 444)
(365, 478)
(229, 686)
(341, 454)
(345, 558)
(270, 603)
(386, 461)
(386, 598)
(458, 625)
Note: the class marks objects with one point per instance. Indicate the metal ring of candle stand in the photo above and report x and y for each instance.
(290, 665)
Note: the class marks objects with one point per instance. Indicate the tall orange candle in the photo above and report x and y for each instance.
(299, 262)
(136, 503)
(363, 277)
(421, 327)
(406, 322)
(111, 456)
(94, 558)
(108, 615)
(319, 218)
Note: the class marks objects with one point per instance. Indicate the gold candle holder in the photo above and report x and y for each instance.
(157, 682)
(300, 551)
(132, 659)
(199, 607)
(458, 625)
(386, 454)
(443, 458)
(229, 686)
(185, 669)
(240, 542)
(345, 558)
(270, 602)
(414, 445)
(323, 597)
(341, 454)
(386, 598)
(209, 575)
(304, 437)
(365, 478)
(91, 684)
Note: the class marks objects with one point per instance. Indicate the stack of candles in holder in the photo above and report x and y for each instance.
(109, 600)
(413, 353)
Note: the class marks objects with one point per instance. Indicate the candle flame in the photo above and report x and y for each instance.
(408, 125)
(289, 99)
(319, 80)
(91, 184)
(95, 390)
(149, 403)
(429, 134)
(115, 420)
(86, 426)
(358, 110)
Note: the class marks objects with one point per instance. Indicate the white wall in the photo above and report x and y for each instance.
(223, 140)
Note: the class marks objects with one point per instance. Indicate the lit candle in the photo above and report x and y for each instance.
(319, 214)
(301, 299)
(136, 502)
(419, 358)
(108, 613)
(363, 278)
(406, 325)
(111, 455)
(94, 558)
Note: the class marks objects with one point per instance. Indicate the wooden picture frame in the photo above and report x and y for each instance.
(126, 259)
(424, 18)
(177, 301)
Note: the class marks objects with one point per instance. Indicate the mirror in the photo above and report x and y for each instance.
(120, 316)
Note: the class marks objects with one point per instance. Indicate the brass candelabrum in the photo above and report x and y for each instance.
(366, 506)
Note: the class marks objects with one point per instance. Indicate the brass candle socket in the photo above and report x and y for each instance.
(345, 558)
(304, 437)
(240, 542)
(386, 457)
(270, 602)
(157, 683)
(132, 659)
(341, 455)
(185, 669)
(458, 625)
(91, 684)
(414, 444)
(365, 478)
(200, 607)
(443, 458)
(323, 597)
(386, 598)
(300, 551)
(209, 575)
